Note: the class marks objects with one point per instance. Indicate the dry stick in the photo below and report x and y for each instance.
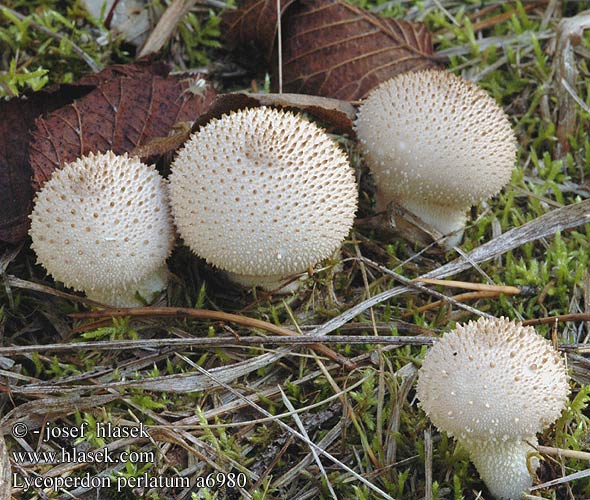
(462, 297)
(5, 471)
(56, 36)
(569, 34)
(485, 291)
(214, 315)
(500, 18)
(509, 290)
(428, 465)
(560, 452)
(561, 317)
(303, 340)
(166, 26)
(280, 46)
(546, 225)
(562, 480)
(15, 282)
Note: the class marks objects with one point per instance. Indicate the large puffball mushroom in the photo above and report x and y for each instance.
(262, 194)
(436, 144)
(494, 384)
(102, 225)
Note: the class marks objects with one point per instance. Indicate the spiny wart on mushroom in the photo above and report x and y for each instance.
(493, 385)
(262, 194)
(102, 225)
(436, 144)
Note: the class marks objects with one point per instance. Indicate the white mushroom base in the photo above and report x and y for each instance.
(273, 283)
(147, 287)
(503, 465)
(445, 219)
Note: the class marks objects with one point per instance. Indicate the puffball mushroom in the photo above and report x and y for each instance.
(102, 225)
(436, 144)
(262, 194)
(493, 385)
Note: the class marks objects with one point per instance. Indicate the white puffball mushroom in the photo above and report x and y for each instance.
(102, 225)
(436, 144)
(494, 384)
(262, 194)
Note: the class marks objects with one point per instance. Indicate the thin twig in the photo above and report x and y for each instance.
(509, 290)
(280, 46)
(428, 465)
(214, 315)
(302, 340)
(560, 318)
(560, 452)
(462, 297)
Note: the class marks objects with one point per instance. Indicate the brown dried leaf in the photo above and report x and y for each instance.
(121, 114)
(342, 51)
(331, 48)
(254, 24)
(17, 116)
(339, 114)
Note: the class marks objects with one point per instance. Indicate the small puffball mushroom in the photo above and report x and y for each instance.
(436, 144)
(262, 194)
(102, 225)
(494, 384)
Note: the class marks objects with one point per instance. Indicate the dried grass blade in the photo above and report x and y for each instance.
(301, 427)
(5, 471)
(509, 290)
(296, 434)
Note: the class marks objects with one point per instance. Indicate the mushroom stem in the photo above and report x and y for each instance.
(146, 287)
(503, 465)
(447, 220)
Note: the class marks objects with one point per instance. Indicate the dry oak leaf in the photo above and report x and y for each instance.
(331, 48)
(338, 50)
(121, 114)
(254, 24)
(17, 116)
(338, 115)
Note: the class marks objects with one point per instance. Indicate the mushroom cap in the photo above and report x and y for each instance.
(102, 222)
(492, 379)
(262, 192)
(436, 137)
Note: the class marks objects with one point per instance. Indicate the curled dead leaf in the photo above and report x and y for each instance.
(338, 114)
